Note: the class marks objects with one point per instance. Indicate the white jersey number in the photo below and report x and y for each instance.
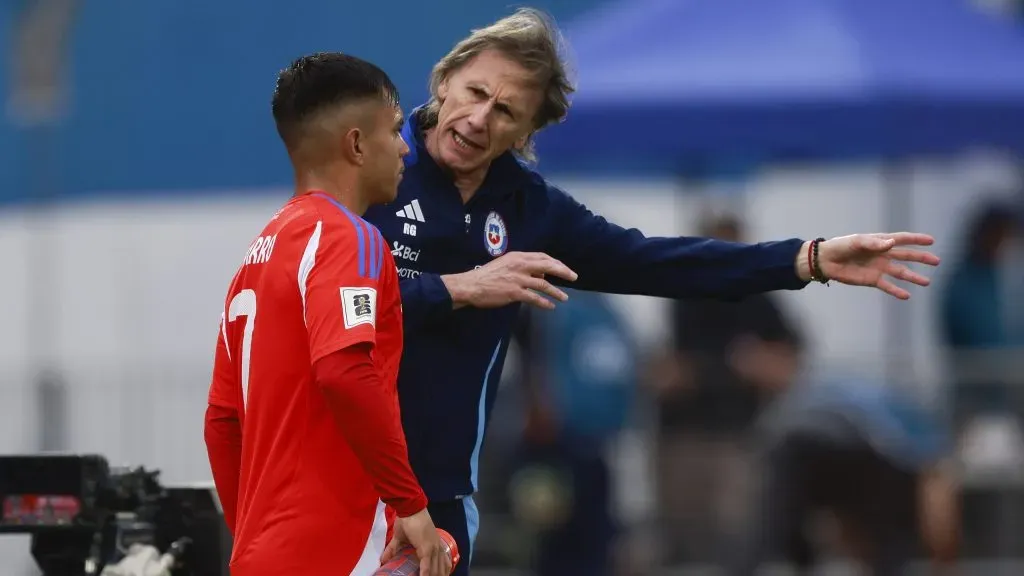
(244, 304)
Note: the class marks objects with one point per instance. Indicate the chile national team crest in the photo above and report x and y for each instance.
(495, 234)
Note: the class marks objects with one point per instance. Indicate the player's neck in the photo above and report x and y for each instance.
(344, 190)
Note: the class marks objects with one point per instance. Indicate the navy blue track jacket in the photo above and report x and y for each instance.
(453, 358)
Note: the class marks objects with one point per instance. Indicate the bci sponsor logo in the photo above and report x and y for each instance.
(405, 252)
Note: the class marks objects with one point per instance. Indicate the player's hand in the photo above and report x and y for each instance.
(419, 531)
(875, 260)
(513, 277)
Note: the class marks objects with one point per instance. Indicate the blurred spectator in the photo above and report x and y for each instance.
(974, 317)
(580, 378)
(873, 459)
(730, 357)
(985, 397)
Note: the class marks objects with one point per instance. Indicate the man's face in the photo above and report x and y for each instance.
(385, 149)
(487, 107)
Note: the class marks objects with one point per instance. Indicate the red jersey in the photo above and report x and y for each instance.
(318, 279)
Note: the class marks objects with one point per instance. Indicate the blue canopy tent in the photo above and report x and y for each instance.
(670, 86)
(663, 81)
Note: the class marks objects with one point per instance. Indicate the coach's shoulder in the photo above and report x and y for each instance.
(537, 186)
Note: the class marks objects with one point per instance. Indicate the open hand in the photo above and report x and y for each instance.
(874, 259)
(513, 277)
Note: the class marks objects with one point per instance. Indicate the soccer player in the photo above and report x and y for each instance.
(302, 428)
(476, 232)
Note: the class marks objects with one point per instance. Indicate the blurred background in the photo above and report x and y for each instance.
(138, 158)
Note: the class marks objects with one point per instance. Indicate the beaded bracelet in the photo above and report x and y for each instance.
(814, 262)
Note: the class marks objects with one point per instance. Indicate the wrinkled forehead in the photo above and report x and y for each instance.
(502, 77)
(494, 65)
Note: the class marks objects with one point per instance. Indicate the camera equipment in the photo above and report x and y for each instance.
(83, 515)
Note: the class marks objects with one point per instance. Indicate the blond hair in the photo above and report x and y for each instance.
(530, 38)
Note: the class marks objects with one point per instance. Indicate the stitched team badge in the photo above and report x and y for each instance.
(495, 234)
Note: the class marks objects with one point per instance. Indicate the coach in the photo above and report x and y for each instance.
(476, 232)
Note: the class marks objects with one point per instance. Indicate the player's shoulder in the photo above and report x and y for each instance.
(334, 221)
(336, 227)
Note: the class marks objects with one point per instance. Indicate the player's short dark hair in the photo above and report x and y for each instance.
(317, 82)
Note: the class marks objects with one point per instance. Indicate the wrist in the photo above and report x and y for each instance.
(411, 507)
(802, 266)
(459, 288)
(808, 262)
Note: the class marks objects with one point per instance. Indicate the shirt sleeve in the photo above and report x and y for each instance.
(339, 277)
(222, 431)
(612, 259)
(424, 299)
(224, 387)
(369, 419)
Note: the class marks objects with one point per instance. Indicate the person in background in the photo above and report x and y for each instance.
(729, 359)
(974, 315)
(580, 376)
(873, 459)
(984, 401)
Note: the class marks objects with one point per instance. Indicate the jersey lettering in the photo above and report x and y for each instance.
(261, 250)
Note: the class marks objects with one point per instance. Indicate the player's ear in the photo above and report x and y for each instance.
(353, 146)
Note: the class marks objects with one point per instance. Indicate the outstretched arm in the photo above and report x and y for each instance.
(609, 258)
(587, 252)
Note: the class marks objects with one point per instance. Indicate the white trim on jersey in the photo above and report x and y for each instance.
(412, 211)
(307, 263)
(224, 335)
(369, 561)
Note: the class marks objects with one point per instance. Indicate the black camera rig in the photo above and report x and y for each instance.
(83, 515)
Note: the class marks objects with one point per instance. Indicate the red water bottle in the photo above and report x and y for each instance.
(405, 562)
